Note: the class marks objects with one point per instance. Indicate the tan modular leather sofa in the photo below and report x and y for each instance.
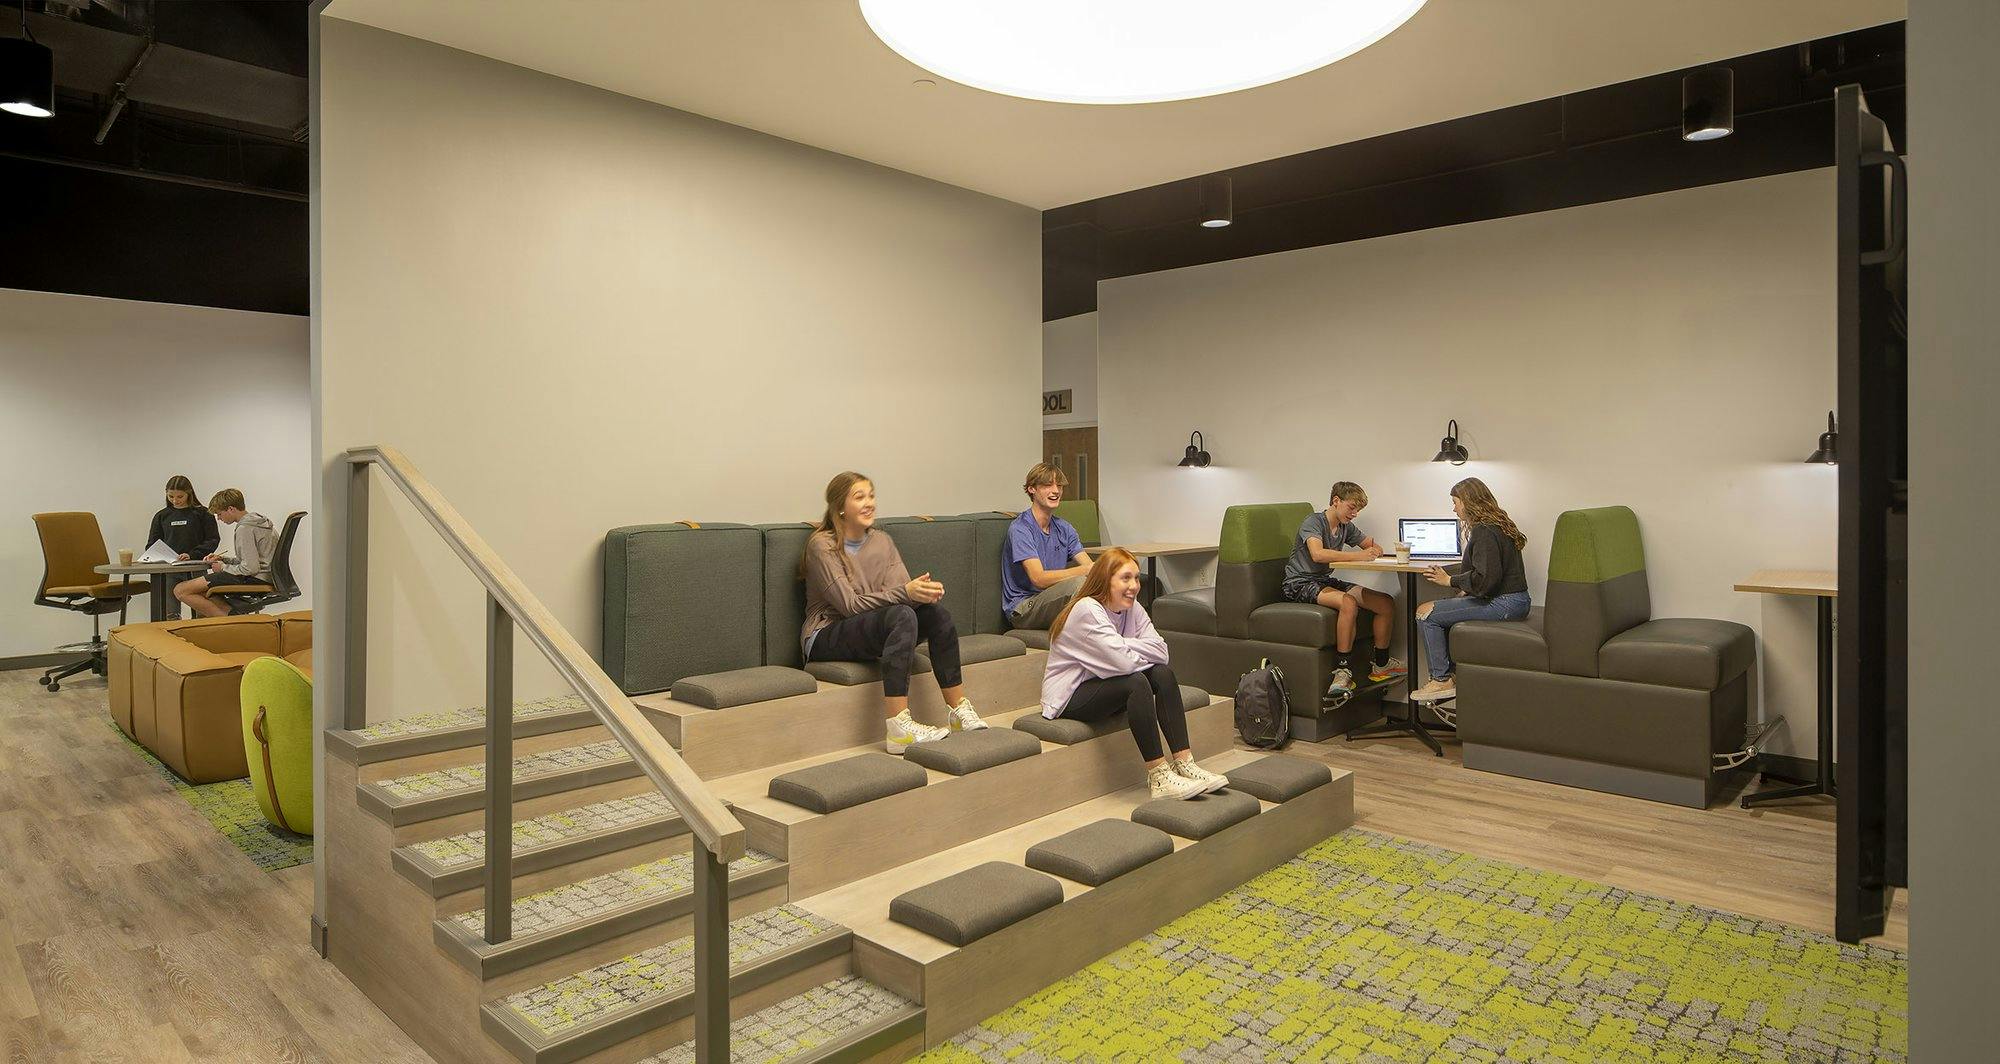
(174, 685)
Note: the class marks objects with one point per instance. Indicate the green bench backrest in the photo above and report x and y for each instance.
(1250, 564)
(1597, 585)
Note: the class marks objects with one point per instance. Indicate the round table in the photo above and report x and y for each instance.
(162, 574)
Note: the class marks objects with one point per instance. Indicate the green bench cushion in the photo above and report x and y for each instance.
(1197, 818)
(1278, 778)
(737, 687)
(842, 784)
(1095, 854)
(966, 907)
(966, 752)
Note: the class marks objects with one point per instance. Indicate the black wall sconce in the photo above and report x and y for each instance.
(1449, 449)
(1195, 457)
(1828, 452)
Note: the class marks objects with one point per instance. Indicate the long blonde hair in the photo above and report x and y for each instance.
(829, 522)
(1481, 508)
(1096, 584)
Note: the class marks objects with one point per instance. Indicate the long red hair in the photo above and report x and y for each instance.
(1096, 584)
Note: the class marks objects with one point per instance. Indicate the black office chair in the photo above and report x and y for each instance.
(250, 598)
(72, 545)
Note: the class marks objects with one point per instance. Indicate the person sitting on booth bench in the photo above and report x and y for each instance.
(1326, 538)
(1044, 564)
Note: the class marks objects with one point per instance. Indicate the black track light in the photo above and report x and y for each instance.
(1449, 449)
(1218, 201)
(1195, 457)
(1828, 452)
(27, 74)
(1708, 104)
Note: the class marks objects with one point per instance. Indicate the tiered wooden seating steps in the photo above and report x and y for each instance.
(826, 850)
(598, 965)
(721, 742)
(962, 985)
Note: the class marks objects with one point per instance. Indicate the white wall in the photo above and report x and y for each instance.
(575, 310)
(93, 394)
(1069, 360)
(1673, 353)
(1954, 147)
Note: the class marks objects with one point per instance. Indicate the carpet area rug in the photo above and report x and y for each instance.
(1371, 948)
(231, 808)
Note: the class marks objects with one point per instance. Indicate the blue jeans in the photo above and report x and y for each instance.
(1511, 606)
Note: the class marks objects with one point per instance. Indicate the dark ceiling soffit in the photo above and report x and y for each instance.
(1609, 143)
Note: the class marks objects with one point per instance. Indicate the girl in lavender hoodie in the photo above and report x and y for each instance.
(1105, 657)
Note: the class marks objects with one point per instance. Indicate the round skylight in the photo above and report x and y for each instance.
(1129, 51)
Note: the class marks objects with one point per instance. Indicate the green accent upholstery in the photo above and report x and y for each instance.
(283, 695)
(1083, 514)
(1261, 532)
(989, 542)
(784, 591)
(681, 601)
(1591, 546)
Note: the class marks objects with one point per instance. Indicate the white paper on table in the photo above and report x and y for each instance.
(160, 552)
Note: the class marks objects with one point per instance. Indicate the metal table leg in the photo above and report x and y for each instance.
(1823, 782)
(1412, 723)
(162, 591)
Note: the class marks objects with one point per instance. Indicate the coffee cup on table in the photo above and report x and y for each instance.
(125, 556)
(1402, 553)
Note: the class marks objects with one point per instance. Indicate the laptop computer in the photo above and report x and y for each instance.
(1431, 539)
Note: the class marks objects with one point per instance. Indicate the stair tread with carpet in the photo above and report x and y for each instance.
(458, 862)
(849, 1015)
(588, 911)
(442, 792)
(456, 729)
(596, 1008)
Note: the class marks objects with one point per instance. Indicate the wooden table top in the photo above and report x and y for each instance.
(150, 568)
(1818, 583)
(1158, 550)
(1388, 564)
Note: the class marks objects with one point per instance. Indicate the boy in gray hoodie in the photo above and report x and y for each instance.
(250, 564)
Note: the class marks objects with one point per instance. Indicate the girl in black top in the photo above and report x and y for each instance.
(1492, 583)
(184, 523)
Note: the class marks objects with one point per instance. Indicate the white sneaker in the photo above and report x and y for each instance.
(1343, 682)
(1164, 782)
(1188, 770)
(903, 730)
(1437, 690)
(962, 718)
(1392, 667)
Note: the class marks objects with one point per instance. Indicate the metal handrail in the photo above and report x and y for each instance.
(509, 605)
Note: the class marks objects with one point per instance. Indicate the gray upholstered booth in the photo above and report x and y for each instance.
(1217, 634)
(1590, 691)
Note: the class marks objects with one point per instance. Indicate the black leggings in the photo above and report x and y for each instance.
(889, 636)
(1151, 699)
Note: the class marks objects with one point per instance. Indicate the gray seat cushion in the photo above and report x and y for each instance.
(681, 601)
(838, 785)
(1502, 644)
(721, 690)
(973, 649)
(1186, 611)
(1197, 818)
(1278, 778)
(1193, 698)
(1691, 652)
(784, 591)
(989, 543)
(1301, 624)
(972, 904)
(1095, 854)
(855, 673)
(1067, 732)
(971, 751)
(1034, 638)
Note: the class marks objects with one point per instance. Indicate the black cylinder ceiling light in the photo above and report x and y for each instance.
(27, 74)
(1449, 449)
(1218, 201)
(1708, 104)
(1828, 452)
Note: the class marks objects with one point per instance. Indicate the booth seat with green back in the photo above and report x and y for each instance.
(1217, 634)
(1590, 690)
(713, 611)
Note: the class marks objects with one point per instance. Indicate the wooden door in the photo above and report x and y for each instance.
(1074, 451)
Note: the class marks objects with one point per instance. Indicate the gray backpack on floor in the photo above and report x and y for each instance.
(1263, 710)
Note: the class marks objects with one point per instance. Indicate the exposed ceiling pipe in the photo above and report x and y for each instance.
(156, 175)
(123, 93)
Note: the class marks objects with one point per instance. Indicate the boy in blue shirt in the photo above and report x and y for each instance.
(1327, 538)
(1043, 564)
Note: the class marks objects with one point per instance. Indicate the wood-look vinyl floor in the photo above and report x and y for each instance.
(130, 931)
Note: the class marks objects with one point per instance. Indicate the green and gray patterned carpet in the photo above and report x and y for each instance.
(231, 808)
(1369, 948)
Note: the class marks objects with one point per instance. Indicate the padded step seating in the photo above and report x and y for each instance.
(856, 673)
(978, 649)
(852, 781)
(1199, 817)
(600, 1007)
(556, 921)
(739, 687)
(1063, 731)
(458, 729)
(458, 862)
(1007, 955)
(1098, 853)
(848, 1018)
(969, 905)
(442, 792)
(1279, 778)
(1032, 638)
(964, 752)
